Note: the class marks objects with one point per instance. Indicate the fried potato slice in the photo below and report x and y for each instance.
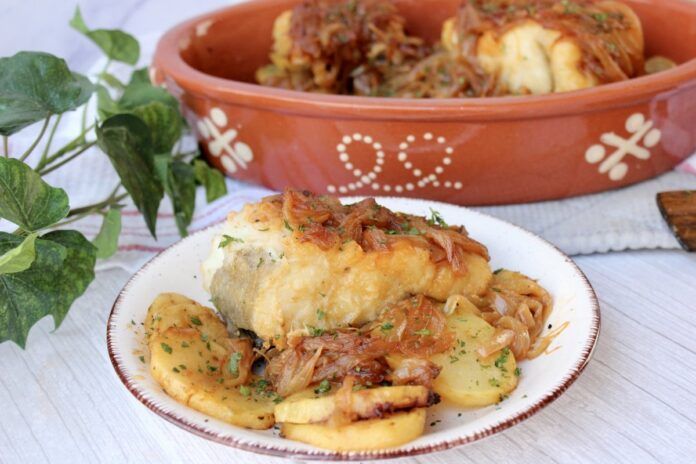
(308, 407)
(194, 371)
(174, 310)
(465, 378)
(387, 432)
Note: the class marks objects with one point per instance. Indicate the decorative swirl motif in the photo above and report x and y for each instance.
(371, 178)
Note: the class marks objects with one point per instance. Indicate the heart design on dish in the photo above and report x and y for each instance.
(370, 178)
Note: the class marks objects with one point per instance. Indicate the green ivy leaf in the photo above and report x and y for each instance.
(141, 93)
(19, 258)
(116, 44)
(106, 106)
(180, 184)
(210, 178)
(140, 76)
(164, 123)
(35, 85)
(62, 270)
(28, 201)
(112, 81)
(106, 240)
(125, 138)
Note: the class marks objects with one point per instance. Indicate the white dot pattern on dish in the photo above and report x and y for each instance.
(369, 178)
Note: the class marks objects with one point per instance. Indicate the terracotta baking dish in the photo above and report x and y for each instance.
(465, 151)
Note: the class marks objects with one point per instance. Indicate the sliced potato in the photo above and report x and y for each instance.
(173, 310)
(465, 378)
(251, 411)
(193, 370)
(307, 407)
(388, 432)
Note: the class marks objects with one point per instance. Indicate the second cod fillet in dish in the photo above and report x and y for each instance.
(544, 46)
(299, 263)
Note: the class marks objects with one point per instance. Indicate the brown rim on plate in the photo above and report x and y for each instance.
(320, 454)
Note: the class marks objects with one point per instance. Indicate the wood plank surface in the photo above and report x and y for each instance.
(60, 400)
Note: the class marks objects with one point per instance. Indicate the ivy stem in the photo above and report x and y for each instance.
(6, 145)
(96, 207)
(52, 168)
(44, 155)
(38, 139)
(84, 111)
(70, 146)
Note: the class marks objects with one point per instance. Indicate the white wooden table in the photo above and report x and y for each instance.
(60, 400)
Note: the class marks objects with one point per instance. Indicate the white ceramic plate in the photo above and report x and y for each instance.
(543, 379)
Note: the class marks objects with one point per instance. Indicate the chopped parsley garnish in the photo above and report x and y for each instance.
(518, 372)
(600, 17)
(287, 225)
(392, 232)
(489, 7)
(436, 219)
(423, 332)
(320, 314)
(233, 364)
(166, 348)
(494, 382)
(570, 7)
(323, 387)
(244, 390)
(315, 331)
(498, 271)
(386, 327)
(175, 369)
(278, 399)
(185, 344)
(212, 368)
(261, 386)
(453, 359)
(502, 359)
(142, 359)
(226, 240)
(195, 320)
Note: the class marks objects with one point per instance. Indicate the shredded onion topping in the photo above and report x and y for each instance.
(411, 331)
(324, 221)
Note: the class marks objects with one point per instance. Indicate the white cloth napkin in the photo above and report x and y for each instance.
(612, 221)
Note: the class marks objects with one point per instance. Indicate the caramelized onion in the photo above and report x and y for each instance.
(413, 329)
(325, 222)
(517, 307)
(414, 371)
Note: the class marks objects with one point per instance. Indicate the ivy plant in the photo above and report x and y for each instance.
(45, 266)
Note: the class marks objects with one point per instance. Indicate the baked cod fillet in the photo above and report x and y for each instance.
(297, 264)
(544, 46)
